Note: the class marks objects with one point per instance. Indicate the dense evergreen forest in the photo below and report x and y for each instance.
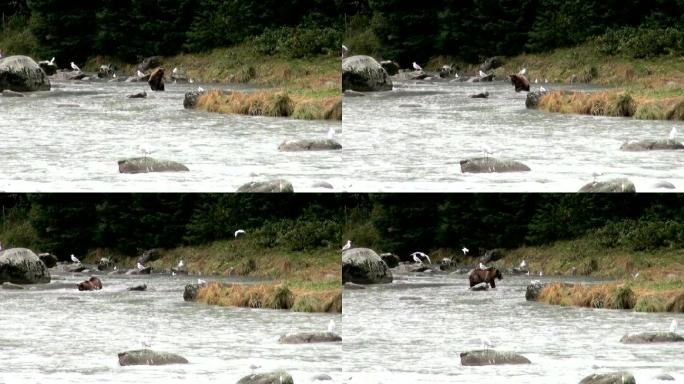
(131, 29)
(73, 223)
(472, 29)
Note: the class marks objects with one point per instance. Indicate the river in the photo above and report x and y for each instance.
(70, 139)
(412, 139)
(56, 334)
(413, 330)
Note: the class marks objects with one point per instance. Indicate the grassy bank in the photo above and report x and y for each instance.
(324, 104)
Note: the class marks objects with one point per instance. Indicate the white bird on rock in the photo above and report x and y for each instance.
(419, 256)
(200, 89)
(486, 343)
(523, 264)
(465, 251)
(140, 266)
(482, 266)
(175, 70)
(417, 67)
(673, 133)
(146, 341)
(74, 259)
(140, 74)
(347, 246)
(673, 326)
(331, 133)
(482, 74)
(240, 232)
(75, 67)
(201, 282)
(331, 326)
(52, 62)
(180, 264)
(523, 72)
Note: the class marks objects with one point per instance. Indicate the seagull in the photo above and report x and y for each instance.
(673, 133)
(145, 341)
(331, 133)
(200, 89)
(201, 282)
(523, 264)
(140, 74)
(418, 256)
(180, 264)
(482, 74)
(254, 367)
(175, 70)
(52, 61)
(465, 251)
(482, 266)
(331, 326)
(417, 259)
(191, 81)
(541, 273)
(347, 246)
(74, 259)
(145, 149)
(114, 75)
(417, 67)
(542, 89)
(0, 54)
(0, 246)
(536, 81)
(345, 51)
(673, 326)
(487, 150)
(140, 266)
(456, 75)
(240, 232)
(75, 67)
(546, 81)
(486, 343)
(523, 72)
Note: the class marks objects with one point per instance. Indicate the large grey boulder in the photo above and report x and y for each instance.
(22, 74)
(309, 145)
(492, 165)
(535, 287)
(271, 186)
(364, 74)
(148, 164)
(149, 256)
(492, 357)
(48, 259)
(191, 99)
(309, 337)
(149, 357)
(277, 377)
(652, 337)
(651, 145)
(22, 266)
(191, 291)
(532, 100)
(609, 378)
(364, 266)
(613, 185)
(48, 67)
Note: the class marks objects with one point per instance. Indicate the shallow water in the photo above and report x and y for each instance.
(66, 336)
(412, 331)
(69, 139)
(412, 139)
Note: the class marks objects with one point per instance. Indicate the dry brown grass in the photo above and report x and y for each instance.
(272, 296)
(590, 103)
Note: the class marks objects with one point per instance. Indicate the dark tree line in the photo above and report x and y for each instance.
(74, 223)
(473, 29)
(130, 29)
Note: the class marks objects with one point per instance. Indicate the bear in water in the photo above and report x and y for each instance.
(488, 275)
(91, 284)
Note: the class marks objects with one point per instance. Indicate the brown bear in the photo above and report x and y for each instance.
(520, 82)
(156, 80)
(477, 276)
(91, 284)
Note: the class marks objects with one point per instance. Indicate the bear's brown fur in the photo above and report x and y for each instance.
(520, 82)
(156, 80)
(488, 275)
(91, 284)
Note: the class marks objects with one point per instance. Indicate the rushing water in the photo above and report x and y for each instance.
(412, 139)
(69, 139)
(66, 336)
(412, 331)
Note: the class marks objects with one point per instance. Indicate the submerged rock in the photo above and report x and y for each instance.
(613, 185)
(364, 74)
(10, 286)
(364, 266)
(609, 378)
(135, 271)
(8, 93)
(22, 266)
(138, 288)
(322, 184)
(482, 95)
(309, 337)
(272, 186)
(148, 164)
(149, 357)
(492, 165)
(22, 74)
(664, 376)
(651, 145)
(277, 377)
(492, 357)
(309, 145)
(664, 185)
(139, 95)
(652, 337)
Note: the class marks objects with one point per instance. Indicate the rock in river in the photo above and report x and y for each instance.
(139, 288)
(651, 145)
(652, 337)
(48, 259)
(532, 100)
(364, 266)
(22, 266)
(613, 185)
(364, 74)
(149, 357)
(191, 291)
(309, 145)
(609, 378)
(139, 95)
(22, 74)
(191, 99)
(277, 377)
(309, 337)
(148, 164)
(492, 357)
(492, 165)
(272, 186)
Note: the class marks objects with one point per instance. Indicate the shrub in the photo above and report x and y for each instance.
(650, 303)
(641, 42)
(621, 298)
(297, 42)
